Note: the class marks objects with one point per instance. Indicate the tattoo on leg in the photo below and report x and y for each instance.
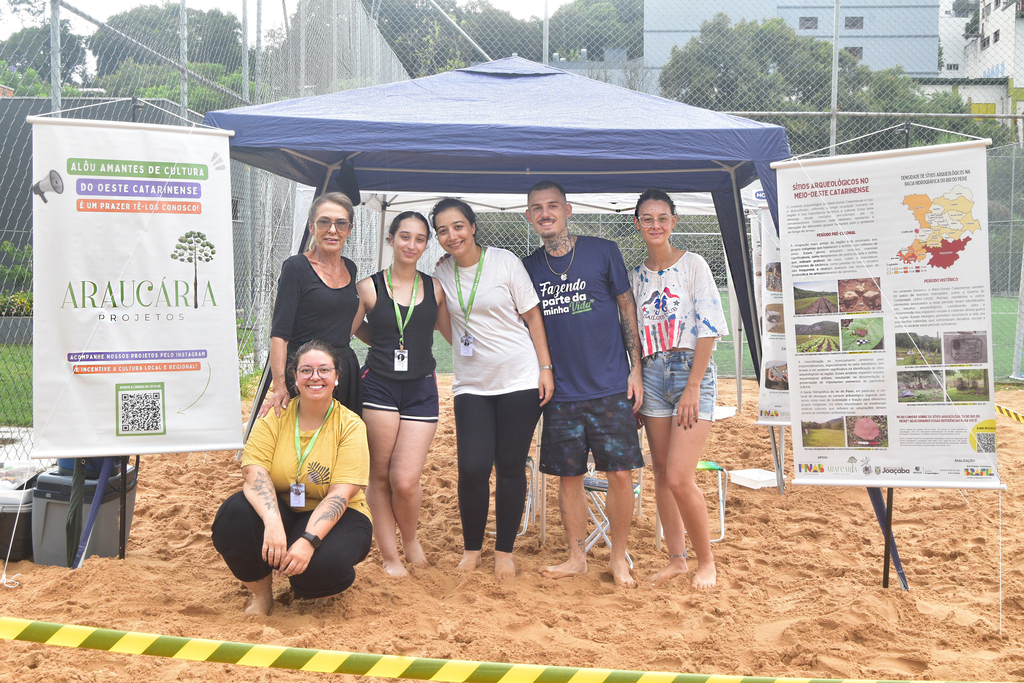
(333, 509)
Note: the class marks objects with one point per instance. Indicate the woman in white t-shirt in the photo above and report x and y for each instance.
(503, 375)
(680, 317)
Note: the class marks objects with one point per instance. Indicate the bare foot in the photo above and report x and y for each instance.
(504, 567)
(323, 602)
(414, 553)
(470, 561)
(675, 567)
(395, 569)
(261, 605)
(568, 568)
(619, 569)
(704, 579)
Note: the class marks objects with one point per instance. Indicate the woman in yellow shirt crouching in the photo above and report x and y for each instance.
(301, 510)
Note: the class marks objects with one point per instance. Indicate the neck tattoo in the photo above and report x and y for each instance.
(572, 248)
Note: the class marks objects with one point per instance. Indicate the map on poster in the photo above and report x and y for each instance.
(887, 315)
(945, 225)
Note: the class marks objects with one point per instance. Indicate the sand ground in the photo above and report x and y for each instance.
(799, 584)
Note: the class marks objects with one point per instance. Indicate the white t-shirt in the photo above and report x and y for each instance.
(678, 305)
(504, 358)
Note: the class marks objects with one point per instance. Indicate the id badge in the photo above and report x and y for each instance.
(401, 360)
(298, 495)
(466, 345)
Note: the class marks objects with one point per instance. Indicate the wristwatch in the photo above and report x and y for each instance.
(313, 539)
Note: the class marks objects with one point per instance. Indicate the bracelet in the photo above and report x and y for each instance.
(547, 367)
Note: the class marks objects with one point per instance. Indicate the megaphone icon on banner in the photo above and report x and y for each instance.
(51, 183)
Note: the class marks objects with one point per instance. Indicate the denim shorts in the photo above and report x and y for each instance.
(665, 376)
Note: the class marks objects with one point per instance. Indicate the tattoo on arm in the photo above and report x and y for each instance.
(627, 323)
(264, 488)
(333, 509)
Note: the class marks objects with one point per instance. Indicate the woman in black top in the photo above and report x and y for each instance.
(317, 299)
(403, 307)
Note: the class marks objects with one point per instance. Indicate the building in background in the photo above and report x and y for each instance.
(882, 35)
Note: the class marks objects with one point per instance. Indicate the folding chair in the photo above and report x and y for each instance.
(597, 490)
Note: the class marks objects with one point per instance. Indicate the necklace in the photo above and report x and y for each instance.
(564, 276)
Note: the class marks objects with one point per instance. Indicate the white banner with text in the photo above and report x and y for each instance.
(888, 318)
(135, 344)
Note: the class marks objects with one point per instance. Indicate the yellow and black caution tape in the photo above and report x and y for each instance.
(1012, 414)
(332, 661)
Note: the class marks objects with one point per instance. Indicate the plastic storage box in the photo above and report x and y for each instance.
(15, 524)
(50, 503)
(753, 479)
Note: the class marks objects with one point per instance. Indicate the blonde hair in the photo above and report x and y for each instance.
(338, 198)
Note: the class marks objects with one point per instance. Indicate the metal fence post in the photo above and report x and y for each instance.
(245, 50)
(183, 55)
(835, 80)
(55, 103)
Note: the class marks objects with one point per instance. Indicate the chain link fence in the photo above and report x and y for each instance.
(947, 67)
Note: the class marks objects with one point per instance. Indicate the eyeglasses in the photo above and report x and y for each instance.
(341, 224)
(648, 221)
(306, 371)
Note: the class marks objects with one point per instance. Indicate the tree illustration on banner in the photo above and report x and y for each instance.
(193, 247)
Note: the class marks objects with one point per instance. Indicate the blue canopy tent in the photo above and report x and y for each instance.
(502, 126)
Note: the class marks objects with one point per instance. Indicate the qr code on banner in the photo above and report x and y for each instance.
(986, 442)
(140, 409)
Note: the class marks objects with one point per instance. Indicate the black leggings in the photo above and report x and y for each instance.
(238, 537)
(494, 431)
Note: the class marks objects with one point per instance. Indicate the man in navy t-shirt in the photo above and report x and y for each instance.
(590, 318)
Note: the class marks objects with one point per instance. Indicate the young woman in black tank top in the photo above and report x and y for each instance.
(403, 307)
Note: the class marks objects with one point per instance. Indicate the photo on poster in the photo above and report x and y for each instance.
(967, 386)
(960, 348)
(860, 295)
(867, 431)
(775, 320)
(920, 386)
(815, 297)
(773, 277)
(919, 348)
(776, 375)
(821, 336)
(828, 433)
(862, 334)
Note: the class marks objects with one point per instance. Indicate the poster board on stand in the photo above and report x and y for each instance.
(135, 343)
(888, 318)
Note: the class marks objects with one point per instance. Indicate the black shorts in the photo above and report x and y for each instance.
(412, 399)
(604, 426)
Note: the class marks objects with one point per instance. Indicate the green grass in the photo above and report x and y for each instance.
(16, 383)
(825, 438)
(924, 396)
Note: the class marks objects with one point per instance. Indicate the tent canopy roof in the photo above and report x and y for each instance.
(501, 127)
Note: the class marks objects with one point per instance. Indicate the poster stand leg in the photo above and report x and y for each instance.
(883, 513)
(122, 529)
(777, 456)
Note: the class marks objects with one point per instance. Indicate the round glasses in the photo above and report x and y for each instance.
(342, 224)
(648, 221)
(324, 371)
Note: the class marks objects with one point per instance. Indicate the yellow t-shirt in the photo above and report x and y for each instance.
(340, 455)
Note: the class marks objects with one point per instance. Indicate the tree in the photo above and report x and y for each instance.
(18, 273)
(596, 25)
(193, 247)
(751, 66)
(213, 37)
(29, 48)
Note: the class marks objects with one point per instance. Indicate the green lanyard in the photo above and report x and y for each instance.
(398, 313)
(309, 448)
(472, 295)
